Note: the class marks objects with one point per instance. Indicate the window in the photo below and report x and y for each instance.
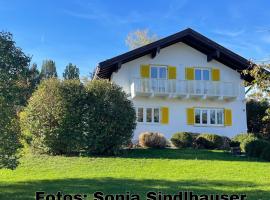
(197, 116)
(152, 115)
(220, 116)
(159, 72)
(202, 74)
(156, 115)
(204, 116)
(148, 114)
(209, 116)
(140, 115)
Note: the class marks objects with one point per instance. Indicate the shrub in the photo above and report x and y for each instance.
(256, 147)
(152, 140)
(214, 141)
(52, 120)
(244, 139)
(234, 144)
(182, 140)
(225, 143)
(203, 143)
(109, 118)
(65, 117)
(266, 153)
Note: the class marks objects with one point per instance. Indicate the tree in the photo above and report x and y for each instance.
(14, 71)
(48, 69)
(256, 110)
(140, 38)
(71, 72)
(33, 78)
(261, 82)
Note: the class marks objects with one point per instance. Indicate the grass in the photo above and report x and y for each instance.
(139, 171)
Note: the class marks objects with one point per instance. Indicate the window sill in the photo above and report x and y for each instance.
(149, 123)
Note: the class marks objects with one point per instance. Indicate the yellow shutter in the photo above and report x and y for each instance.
(145, 71)
(189, 73)
(227, 117)
(190, 116)
(164, 115)
(171, 72)
(215, 74)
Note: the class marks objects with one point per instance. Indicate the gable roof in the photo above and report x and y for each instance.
(188, 36)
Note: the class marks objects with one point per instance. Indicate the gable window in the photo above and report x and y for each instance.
(149, 115)
(202, 74)
(209, 116)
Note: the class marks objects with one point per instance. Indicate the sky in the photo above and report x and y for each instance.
(86, 32)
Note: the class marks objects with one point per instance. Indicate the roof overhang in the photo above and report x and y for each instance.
(187, 36)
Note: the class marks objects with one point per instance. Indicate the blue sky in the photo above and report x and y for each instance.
(86, 32)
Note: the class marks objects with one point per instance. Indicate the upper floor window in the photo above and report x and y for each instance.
(209, 116)
(158, 72)
(202, 74)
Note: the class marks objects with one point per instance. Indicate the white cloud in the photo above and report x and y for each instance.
(230, 33)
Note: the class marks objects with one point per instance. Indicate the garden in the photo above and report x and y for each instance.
(75, 136)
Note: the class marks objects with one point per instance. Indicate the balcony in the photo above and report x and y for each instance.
(184, 89)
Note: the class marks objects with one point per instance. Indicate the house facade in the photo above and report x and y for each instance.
(185, 82)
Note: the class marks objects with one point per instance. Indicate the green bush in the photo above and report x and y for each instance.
(214, 141)
(152, 140)
(182, 140)
(52, 121)
(225, 143)
(255, 148)
(234, 144)
(109, 118)
(203, 143)
(266, 153)
(244, 139)
(66, 117)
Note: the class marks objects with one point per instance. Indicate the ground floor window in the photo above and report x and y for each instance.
(149, 115)
(209, 116)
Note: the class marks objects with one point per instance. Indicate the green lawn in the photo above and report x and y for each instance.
(139, 171)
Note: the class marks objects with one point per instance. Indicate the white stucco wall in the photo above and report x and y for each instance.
(181, 56)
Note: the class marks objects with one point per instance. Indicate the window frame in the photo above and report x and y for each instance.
(201, 109)
(145, 108)
(158, 71)
(202, 73)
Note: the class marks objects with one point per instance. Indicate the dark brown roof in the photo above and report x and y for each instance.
(187, 36)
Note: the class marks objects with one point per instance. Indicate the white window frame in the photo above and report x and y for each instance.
(208, 116)
(202, 76)
(158, 67)
(145, 115)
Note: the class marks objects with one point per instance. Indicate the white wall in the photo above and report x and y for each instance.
(181, 56)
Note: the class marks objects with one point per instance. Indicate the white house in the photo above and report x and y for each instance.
(184, 82)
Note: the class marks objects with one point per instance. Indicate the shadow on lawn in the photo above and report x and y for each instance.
(187, 154)
(26, 190)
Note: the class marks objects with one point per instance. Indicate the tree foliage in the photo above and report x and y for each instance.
(261, 82)
(140, 38)
(48, 69)
(71, 72)
(14, 91)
